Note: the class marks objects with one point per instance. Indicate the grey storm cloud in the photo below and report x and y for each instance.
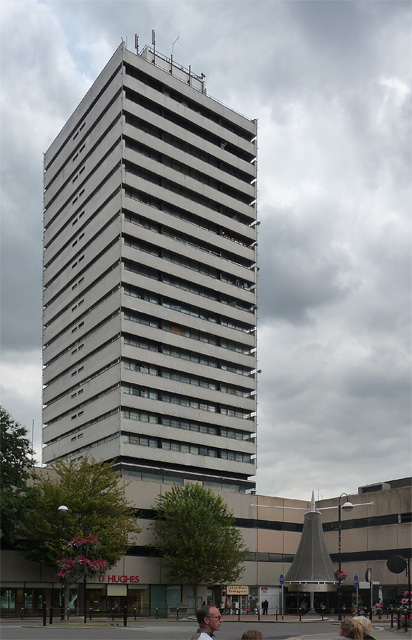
(299, 269)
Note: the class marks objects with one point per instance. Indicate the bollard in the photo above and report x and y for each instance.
(406, 619)
(300, 614)
(177, 613)
(112, 615)
(398, 611)
(157, 613)
(51, 615)
(90, 613)
(68, 612)
(391, 617)
(135, 614)
(22, 613)
(277, 614)
(259, 615)
(125, 616)
(238, 615)
(44, 614)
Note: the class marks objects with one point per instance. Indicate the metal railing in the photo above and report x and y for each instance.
(400, 617)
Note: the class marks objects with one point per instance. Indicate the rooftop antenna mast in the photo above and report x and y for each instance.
(173, 46)
(154, 45)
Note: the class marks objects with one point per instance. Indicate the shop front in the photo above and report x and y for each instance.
(298, 598)
(271, 596)
(237, 599)
(106, 599)
(29, 597)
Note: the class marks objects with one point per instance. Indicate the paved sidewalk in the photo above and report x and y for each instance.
(381, 625)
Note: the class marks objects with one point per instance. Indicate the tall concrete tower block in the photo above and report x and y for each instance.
(150, 273)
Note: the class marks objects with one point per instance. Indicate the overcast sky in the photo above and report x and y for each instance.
(330, 83)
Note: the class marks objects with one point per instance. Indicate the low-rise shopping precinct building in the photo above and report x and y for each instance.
(378, 527)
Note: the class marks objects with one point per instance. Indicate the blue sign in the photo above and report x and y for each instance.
(281, 578)
(356, 581)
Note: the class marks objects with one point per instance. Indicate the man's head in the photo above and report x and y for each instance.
(209, 618)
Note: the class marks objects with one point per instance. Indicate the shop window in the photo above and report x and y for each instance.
(8, 598)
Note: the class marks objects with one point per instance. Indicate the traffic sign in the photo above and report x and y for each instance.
(356, 581)
(281, 578)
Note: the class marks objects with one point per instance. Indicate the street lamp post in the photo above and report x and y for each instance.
(347, 506)
(63, 510)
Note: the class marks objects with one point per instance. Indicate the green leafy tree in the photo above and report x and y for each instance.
(97, 506)
(16, 460)
(196, 535)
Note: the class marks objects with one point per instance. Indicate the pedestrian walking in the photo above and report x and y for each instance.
(209, 620)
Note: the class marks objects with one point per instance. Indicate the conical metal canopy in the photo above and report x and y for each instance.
(312, 562)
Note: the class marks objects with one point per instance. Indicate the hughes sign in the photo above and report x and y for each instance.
(120, 579)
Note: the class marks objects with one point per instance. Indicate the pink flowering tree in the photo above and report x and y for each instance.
(406, 603)
(340, 575)
(83, 560)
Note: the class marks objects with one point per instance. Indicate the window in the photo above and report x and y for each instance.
(194, 334)
(208, 247)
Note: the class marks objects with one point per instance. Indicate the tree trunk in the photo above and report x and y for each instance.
(194, 587)
(66, 588)
(84, 598)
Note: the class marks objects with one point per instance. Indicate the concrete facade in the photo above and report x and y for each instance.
(149, 286)
(371, 533)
